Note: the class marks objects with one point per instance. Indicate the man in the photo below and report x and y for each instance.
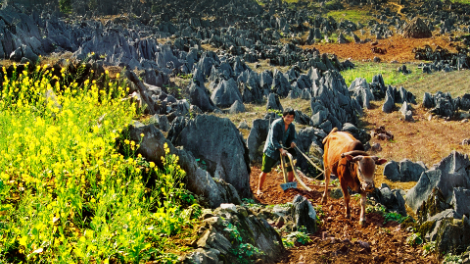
(281, 131)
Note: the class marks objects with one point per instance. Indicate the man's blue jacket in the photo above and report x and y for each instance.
(278, 134)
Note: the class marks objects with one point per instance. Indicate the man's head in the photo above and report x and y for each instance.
(288, 115)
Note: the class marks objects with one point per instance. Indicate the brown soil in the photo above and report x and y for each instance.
(337, 240)
(422, 140)
(398, 48)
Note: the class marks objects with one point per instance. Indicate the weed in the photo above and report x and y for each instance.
(452, 259)
(414, 240)
(299, 237)
(242, 251)
(277, 112)
(428, 248)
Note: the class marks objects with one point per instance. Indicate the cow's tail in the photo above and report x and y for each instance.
(326, 138)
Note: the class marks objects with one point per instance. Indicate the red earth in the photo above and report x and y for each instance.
(398, 48)
(339, 239)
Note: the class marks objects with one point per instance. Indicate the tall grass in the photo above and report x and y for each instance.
(389, 73)
(66, 194)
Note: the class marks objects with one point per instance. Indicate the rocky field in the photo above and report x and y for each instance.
(202, 81)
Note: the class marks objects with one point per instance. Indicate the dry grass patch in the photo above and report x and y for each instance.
(457, 83)
(422, 140)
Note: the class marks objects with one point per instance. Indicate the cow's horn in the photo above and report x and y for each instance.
(355, 153)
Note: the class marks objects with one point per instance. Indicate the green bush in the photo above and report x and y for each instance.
(414, 240)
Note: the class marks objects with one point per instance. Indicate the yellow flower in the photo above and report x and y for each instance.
(126, 142)
(107, 72)
(141, 134)
(152, 164)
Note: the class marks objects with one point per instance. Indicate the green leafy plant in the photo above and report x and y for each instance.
(428, 248)
(452, 259)
(242, 251)
(277, 112)
(414, 239)
(299, 237)
(287, 243)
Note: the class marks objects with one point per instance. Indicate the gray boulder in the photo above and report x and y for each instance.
(160, 121)
(404, 170)
(274, 103)
(202, 256)
(257, 137)
(304, 215)
(226, 93)
(280, 84)
(391, 199)
(198, 181)
(253, 230)
(199, 96)
(389, 101)
(461, 201)
(409, 116)
(219, 143)
(452, 171)
(360, 89)
(428, 101)
(237, 107)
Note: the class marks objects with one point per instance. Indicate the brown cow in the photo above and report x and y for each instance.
(345, 157)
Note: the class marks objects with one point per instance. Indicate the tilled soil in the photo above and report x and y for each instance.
(341, 240)
(398, 48)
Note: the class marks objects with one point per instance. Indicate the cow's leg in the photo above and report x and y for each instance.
(344, 188)
(327, 182)
(362, 219)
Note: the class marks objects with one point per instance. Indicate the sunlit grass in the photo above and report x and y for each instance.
(351, 15)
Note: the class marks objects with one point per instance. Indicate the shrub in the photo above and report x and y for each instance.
(66, 194)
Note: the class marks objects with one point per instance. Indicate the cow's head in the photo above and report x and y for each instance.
(365, 170)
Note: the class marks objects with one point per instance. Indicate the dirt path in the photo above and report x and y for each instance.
(342, 240)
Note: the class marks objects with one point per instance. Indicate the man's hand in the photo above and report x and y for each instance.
(293, 145)
(284, 152)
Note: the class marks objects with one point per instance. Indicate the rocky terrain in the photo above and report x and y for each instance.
(194, 66)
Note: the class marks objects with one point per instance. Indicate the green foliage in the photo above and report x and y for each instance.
(320, 213)
(393, 216)
(299, 237)
(65, 6)
(335, 182)
(414, 240)
(242, 251)
(75, 198)
(250, 203)
(389, 73)
(374, 207)
(429, 248)
(377, 208)
(277, 112)
(452, 259)
(351, 15)
(287, 243)
(188, 76)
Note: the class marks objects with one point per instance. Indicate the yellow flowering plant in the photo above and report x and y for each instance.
(66, 194)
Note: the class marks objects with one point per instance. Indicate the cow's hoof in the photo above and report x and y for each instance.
(362, 222)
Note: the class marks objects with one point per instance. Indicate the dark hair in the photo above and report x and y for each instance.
(288, 111)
